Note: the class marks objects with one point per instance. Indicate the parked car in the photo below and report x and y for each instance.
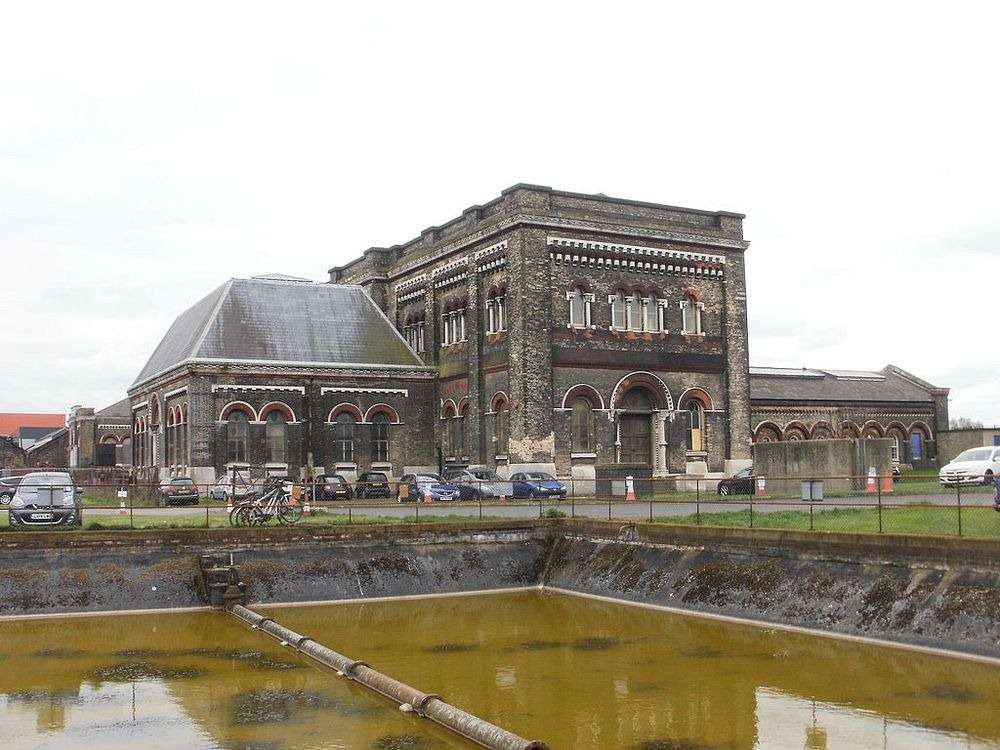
(8, 486)
(45, 498)
(372, 484)
(332, 487)
(740, 483)
(413, 486)
(974, 466)
(223, 489)
(536, 485)
(479, 484)
(177, 491)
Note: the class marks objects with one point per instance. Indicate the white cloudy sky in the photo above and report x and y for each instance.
(150, 151)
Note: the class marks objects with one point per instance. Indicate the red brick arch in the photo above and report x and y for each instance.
(391, 413)
(345, 408)
(767, 432)
(242, 406)
(279, 406)
(796, 431)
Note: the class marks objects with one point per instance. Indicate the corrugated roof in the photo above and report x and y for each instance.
(277, 321)
(789, 384)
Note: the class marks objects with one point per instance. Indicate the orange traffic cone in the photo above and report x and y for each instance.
(629, 490)
(872, 486)
(887, 484)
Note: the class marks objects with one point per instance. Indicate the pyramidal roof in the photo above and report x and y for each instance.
(277, 321)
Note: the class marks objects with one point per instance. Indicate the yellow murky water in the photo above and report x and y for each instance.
(574, 672)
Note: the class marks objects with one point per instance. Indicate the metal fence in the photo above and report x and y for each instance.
(862, 504)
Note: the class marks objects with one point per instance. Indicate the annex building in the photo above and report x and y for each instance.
(580, 334)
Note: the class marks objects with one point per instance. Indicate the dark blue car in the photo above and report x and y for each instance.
(412, 487)
(537, 485)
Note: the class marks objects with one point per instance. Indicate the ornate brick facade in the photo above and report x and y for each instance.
(660, 303)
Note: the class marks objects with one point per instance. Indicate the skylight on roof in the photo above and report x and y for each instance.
(786, 372)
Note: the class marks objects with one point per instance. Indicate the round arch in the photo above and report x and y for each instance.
(109, 439)
(585, 391)
(767, 432)
(849, 430)
(696, 394)
(154, 410)
(391, 413)
(242, 406)
(280, 406)
(796, 431)
(499, 399)
(656, 386)
(463, 406)
(872, 429)
(822, 430)
(343, 408)
(921, 426)
(449, 409)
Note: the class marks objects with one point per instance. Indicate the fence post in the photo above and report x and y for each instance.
(697, 502)
(958, 498)
(880, 506)
(416, 506)
(651, 503)
(811, 527)
(480, 499)
(572, 506)
(611, 496)
(131, 503)
(751, 511)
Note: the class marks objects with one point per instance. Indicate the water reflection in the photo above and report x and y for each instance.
(576, 673)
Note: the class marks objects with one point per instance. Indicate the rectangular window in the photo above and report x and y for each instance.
(691, 313)
(420, 336)
(445, 330)
(577, 309)
(617, 311)
(650, 315)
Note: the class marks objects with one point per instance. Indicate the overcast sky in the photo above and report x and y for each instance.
(148, 152)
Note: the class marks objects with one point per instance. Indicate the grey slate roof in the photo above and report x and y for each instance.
(789, 384)
(277, 321)
(117, 410)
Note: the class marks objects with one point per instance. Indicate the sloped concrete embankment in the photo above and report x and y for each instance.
(943, 593)
(62, 573)
(938, 593)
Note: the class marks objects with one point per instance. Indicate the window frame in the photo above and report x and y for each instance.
(343, 446)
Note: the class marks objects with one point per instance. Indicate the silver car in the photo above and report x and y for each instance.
(45, 498)
(477, 483)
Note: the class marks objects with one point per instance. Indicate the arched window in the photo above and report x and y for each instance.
(343, 438)
(916, 445)
(169, 435)
(380, 437)
(237, 428)
(696, 431)
(652, 314)
(581, 426)
(501, 427)
(276, 437)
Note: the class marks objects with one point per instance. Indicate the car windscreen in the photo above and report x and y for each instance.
(376, 478)
(538, 476)
(743, 474)
(487, 476)
(975, 454)
(184, 480)
(46, 480)
(427, 478)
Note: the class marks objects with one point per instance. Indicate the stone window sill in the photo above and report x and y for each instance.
(583, 455)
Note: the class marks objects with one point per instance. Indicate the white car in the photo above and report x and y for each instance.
(974, 466)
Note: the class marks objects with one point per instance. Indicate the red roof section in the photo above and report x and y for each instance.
(11, 423)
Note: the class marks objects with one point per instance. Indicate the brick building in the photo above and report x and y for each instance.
(583, 335)
(100, 438)
(280, 373)
(804, 404)
(576, 333)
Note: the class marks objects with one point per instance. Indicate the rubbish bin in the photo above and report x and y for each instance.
(812, 490)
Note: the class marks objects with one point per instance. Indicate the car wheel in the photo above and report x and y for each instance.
(988, 477)
(5, 499)
(723, 489)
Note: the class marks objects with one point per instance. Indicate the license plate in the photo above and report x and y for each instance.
(41, 516)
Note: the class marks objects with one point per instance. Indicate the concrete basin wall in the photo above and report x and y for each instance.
(937, 592)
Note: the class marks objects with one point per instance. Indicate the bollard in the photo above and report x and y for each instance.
(629, 489)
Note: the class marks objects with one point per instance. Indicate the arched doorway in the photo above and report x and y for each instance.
(636, 427)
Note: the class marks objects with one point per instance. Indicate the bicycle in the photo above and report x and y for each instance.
(279, 502)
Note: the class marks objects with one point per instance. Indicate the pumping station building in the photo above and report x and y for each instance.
(587, 336)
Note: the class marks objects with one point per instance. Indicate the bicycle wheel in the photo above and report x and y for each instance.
(235, 514)
(289, 514)
(256, 517)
